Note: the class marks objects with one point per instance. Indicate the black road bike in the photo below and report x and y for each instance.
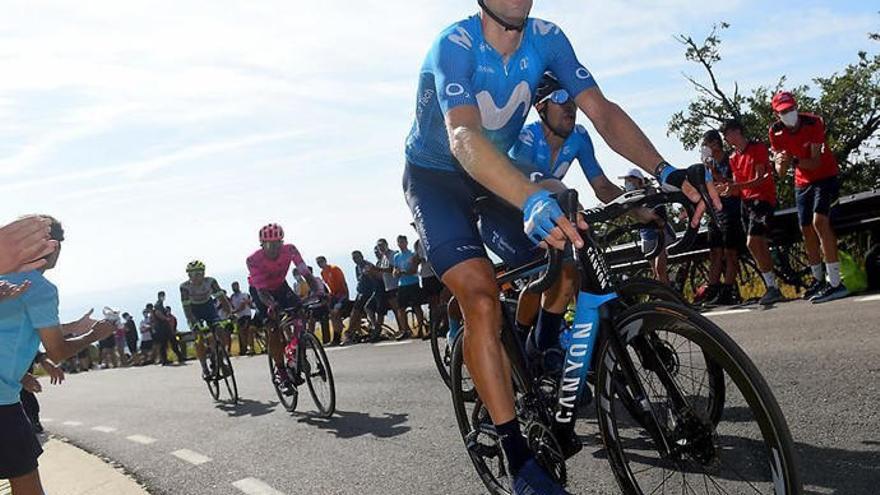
(680, 406)
(219, 364)
(309, 364)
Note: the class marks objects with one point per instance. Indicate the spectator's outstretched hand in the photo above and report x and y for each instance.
(56, 374)
(31, 384)
(24, 243)
(8, 290)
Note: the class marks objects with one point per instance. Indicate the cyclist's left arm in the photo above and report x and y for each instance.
(218, 294)
(303, 269)
(626, 138)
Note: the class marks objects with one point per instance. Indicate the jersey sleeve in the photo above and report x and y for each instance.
(453, 67)
(523, 150)
(587, 155)
(216, 291)
(41, 302)
(184, 296)
(561, 59)
(297, 260)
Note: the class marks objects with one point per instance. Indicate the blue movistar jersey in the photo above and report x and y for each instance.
(531, 153)
(463, 69)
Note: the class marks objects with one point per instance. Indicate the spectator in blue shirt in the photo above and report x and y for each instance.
(25, 322)
(409, 294)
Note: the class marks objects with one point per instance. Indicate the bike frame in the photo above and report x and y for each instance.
(594, 317)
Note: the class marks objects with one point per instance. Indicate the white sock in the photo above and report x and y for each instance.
(818, 272)
(833, 273)
(769, 279)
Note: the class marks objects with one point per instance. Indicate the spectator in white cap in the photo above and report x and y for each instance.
(633, 181)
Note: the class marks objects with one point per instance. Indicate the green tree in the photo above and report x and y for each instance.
(848, 101)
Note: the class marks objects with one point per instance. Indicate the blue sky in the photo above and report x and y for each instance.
(159, 132)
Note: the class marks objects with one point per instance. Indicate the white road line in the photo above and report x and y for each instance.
(337, 348)
(46, 420)
(875, 297)
(727, 312)
(253, 486)
(104, 429)
(191, 457)
(402, 342)
(72, 423)
(141, 439)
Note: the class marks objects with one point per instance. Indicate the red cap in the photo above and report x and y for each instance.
(783, 101)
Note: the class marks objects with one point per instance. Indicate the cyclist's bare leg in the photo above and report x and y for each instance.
(226, 340)
(200, 352)
(555, 300)
(473, 284)
(276, 346)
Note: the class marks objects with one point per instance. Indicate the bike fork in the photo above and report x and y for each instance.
(632, 389)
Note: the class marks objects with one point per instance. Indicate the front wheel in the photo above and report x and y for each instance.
(747, 449)
(213, 380)
(319, 377)
(228, 374)
(290, 399)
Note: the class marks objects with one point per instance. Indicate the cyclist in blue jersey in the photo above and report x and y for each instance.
(474, 93)
(544, 152)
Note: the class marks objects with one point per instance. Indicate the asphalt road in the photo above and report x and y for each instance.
(394, 432)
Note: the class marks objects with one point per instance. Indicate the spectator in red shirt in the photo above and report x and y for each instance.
(753, 182)
(339, 303)
(799, 141)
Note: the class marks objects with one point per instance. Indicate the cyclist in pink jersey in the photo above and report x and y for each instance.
(267, 273)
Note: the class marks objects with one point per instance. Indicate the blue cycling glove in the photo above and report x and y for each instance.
(540, 212)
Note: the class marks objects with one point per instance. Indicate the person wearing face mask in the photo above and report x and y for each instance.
(726, 237)
(799, 141)
(753, 182)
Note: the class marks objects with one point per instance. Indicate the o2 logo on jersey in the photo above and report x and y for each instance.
(495, 118)
(582, 73)
(536, 176)
(454, 89)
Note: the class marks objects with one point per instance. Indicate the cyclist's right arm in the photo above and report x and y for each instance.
(186, 302)
(477, 155)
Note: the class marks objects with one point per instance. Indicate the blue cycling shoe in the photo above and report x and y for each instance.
(532, 479)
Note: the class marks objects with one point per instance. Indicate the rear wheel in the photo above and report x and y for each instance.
(476, 428)
(319, 377)
(744, 448)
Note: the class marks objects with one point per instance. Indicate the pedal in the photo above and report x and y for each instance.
(485, 451)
